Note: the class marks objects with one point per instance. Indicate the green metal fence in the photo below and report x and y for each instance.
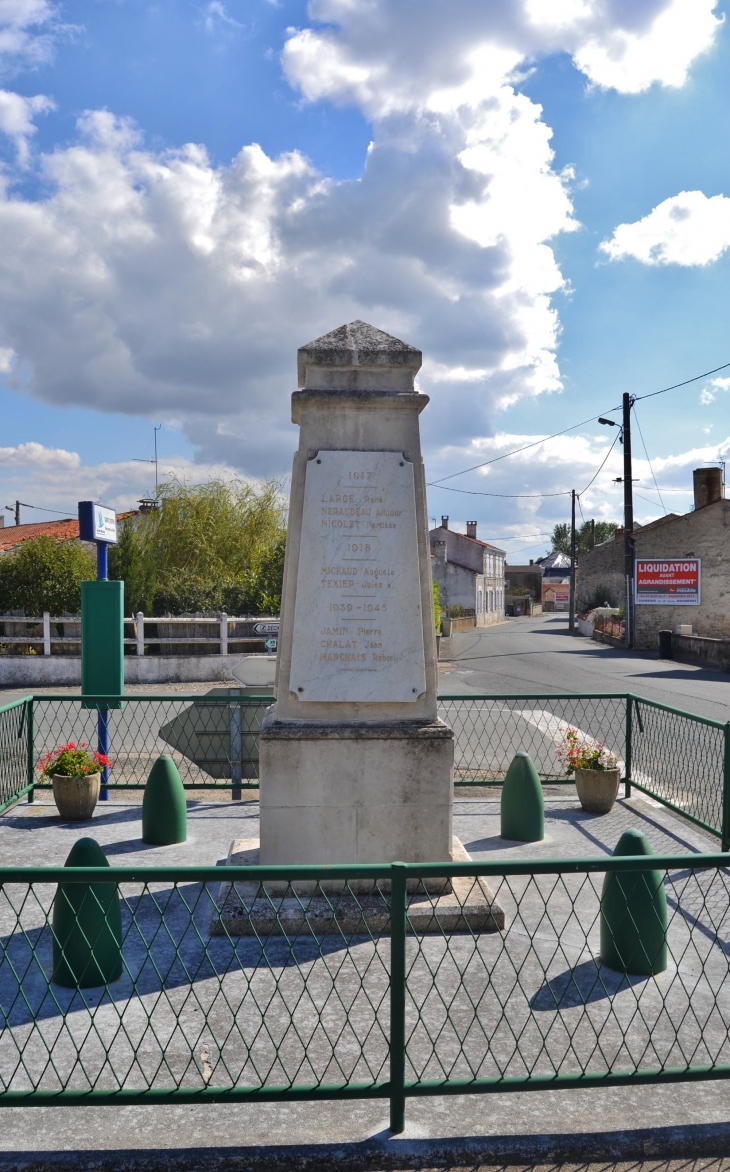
(679, 759)
(16, 751)
(358, 982)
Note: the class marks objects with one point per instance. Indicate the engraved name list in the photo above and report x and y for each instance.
(358, 632)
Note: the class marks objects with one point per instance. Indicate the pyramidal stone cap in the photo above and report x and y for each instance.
(357, 357)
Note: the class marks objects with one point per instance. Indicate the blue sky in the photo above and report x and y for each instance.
(451, 178)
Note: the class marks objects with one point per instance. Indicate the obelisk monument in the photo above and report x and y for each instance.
(355, 766)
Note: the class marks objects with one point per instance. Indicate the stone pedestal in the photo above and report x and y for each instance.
(355, 766)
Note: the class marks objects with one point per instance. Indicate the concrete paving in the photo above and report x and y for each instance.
(689, 1119)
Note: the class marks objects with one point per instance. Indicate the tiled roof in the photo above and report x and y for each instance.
(12, 535)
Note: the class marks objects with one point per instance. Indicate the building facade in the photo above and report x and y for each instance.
(469, 572)
(704, 534)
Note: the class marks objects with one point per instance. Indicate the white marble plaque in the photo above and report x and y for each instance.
(358, 628)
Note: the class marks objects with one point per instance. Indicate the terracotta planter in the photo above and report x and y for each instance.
(76, 797)
(597, 789)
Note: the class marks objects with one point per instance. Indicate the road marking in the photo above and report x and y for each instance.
(555, 728)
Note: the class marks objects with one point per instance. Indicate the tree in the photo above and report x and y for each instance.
(583, 536)
(206, 547)
(45, 575)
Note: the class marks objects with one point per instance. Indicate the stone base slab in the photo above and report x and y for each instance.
(244, 909)
(373, 792)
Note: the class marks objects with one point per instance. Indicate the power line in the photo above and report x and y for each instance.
(504, 495)
(686, 382)
(656, 486)
(524, 448)
(41, 509)
(608, 453)
(545, 439)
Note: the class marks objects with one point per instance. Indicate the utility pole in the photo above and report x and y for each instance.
(571, 620)
(628, 520)
(17, 512)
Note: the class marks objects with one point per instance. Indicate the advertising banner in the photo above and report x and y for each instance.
(667, 582)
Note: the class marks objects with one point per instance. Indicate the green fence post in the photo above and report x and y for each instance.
(726, 791)
(29, 713)
(398, 912)
(629, 733)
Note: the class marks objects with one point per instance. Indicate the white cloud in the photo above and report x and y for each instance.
(56, 479)
(16, 119)
(630, 59)
(150, 282)
(688, 229)
(28, 31)
(375, 55)
(709, 393)
(159, 283)
(217, 17)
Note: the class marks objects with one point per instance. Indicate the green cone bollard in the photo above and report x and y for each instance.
(523, 810)
(164, 812)
(634, 914)
(87, 925)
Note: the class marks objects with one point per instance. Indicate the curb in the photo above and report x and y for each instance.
(388, 1153)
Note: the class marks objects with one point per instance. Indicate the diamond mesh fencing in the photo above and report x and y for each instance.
(535, 1003)
(680, 760)
(489, 730)
(15, 750)
(212, 739)
(372, 981)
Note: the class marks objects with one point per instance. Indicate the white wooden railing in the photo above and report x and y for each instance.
(222, 631)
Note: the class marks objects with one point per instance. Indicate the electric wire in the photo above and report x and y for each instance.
(636, 417)
(608, 453)
(545, 439)
(686, 382)
(40, 509)
(524, 448)
(505, 495)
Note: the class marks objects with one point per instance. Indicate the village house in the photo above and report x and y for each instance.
(469, 572)
(702, 535)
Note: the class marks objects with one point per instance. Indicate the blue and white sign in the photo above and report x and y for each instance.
(97, 523)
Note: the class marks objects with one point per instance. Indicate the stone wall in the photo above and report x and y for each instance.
(696, 649)
(601, 569)
(38, 671)
(703, 533)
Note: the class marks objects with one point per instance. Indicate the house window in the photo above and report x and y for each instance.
(480, 601)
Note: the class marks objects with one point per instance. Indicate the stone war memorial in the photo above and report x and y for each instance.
(355, 764)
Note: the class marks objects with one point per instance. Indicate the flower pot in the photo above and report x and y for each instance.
(597, 789)
(76, 797)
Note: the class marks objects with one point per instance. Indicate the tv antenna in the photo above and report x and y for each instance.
(153, 461)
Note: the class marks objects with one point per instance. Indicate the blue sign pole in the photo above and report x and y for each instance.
(102, 720)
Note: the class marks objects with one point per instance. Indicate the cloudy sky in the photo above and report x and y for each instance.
(535, 192)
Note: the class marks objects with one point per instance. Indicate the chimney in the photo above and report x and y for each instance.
(444, 522)
(532, 561)
(2, 522)
(439, 549)
(471, 529)
(707, 484)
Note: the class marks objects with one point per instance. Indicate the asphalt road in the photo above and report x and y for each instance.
(539, 655)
